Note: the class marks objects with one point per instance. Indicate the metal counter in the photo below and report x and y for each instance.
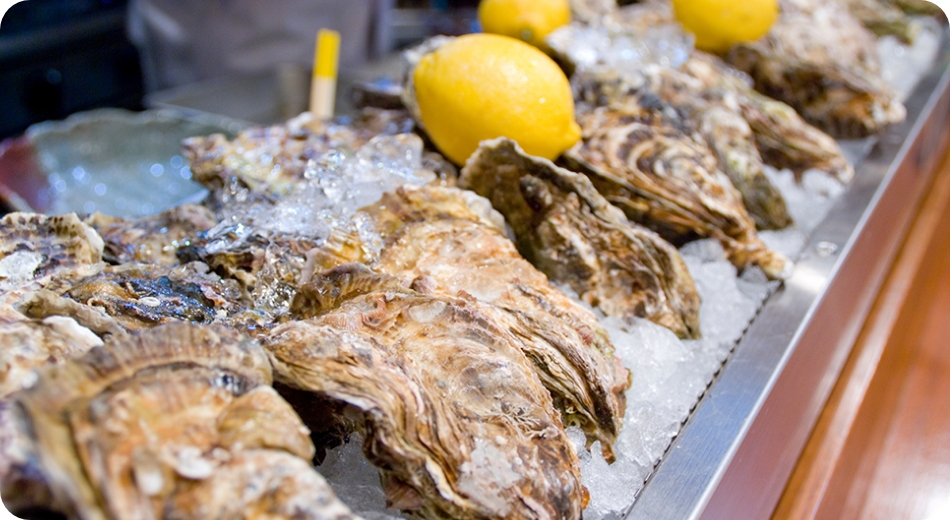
(735, 454)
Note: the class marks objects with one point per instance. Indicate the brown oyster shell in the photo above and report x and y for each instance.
(576, 237)
(167, 423)
(728, 135)
(450, 241)
(36, 250)
(154, 238)
(448, 400)
(820, 60)
(661, 177)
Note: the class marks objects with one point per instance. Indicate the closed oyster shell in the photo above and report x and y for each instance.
(167, 423)
(141, 296)
(781, 135)
(820, 60)
(36, 250)
(453, 413)
(661, 177)
(728, 135)
(154, 238)
(576, 237)
(450, 241)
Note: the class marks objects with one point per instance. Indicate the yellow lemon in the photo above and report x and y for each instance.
(720, 24)
(483, 86)
(528, 20)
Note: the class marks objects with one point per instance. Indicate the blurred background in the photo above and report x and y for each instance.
(249, 60)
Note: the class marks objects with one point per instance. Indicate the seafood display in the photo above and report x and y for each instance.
(486, 331)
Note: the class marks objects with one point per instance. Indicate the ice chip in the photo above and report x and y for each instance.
(706, 250)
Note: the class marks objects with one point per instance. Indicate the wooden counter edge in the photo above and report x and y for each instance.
(833, 471)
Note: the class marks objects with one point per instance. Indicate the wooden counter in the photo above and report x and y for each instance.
(881, 447)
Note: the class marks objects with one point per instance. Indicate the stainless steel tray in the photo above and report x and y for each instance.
(735, 454)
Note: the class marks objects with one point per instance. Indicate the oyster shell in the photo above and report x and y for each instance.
(784, 139)
(36, 250)
(176, 422)
(823, 62)
(726, 132)
(692, 81)
(437, 243)
(26, 345)
(452, 411)
(140, 296)
(573, 235)
(272, 161)
(884, 17)
(666, 180)
(151, 239)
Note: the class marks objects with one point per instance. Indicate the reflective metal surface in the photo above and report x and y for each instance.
(736, 452)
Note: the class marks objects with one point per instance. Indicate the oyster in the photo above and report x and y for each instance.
(449, 241)
(452, 412)
(142, 296)
(176, 422)
(151, 239)
(573, 235)
(823, 62)
(726, 132)
(273, 161)
(784, 139)
(666, 180)
(693, 81)
(272, 245)
(884, 17)
(36, 250)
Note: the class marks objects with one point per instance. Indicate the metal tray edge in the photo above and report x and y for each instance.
(737, 450)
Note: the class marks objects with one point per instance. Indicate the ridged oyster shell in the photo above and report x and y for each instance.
(449, 241)
(452, 411)
(177, 422)
(662, 178)
(576, 237)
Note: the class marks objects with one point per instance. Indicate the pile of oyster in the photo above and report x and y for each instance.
(343, 278)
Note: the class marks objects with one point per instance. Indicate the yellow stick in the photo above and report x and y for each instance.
(323, 87)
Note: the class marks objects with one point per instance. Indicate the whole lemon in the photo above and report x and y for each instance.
(483, 86)
(527, 20)
(720, 24)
